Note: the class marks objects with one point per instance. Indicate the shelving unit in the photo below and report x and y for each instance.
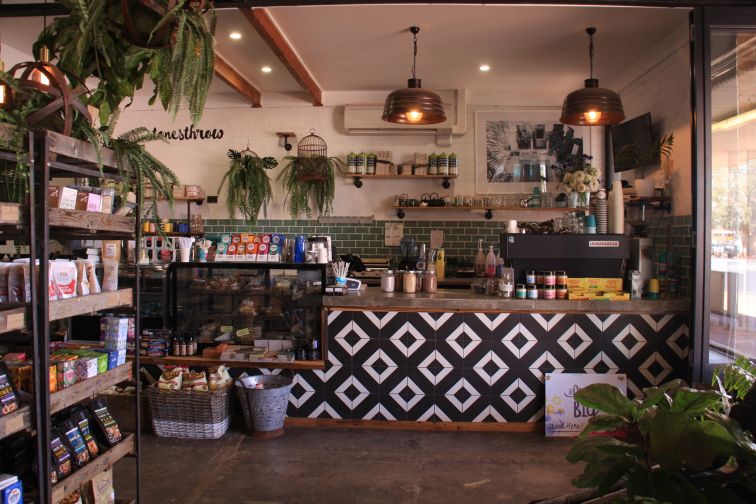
(446, 184)
(489, 211)
(662, 203)
(51, 156)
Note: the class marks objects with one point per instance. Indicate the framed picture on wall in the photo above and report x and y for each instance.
(516, 149)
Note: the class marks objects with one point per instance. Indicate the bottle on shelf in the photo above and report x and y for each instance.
(490, 262)
(616, 209)
(480, 261)
(499, 265)
(441, 264)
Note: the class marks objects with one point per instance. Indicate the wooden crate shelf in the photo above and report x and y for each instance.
(86, 305)
(17, 421)
(209, 362)
(91, 222)
(12, 319)
(105, 460)
(11, 214)
(89, 388)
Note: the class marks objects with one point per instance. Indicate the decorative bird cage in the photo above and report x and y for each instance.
(313, 162)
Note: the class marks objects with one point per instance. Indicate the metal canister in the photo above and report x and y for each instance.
(636, 286)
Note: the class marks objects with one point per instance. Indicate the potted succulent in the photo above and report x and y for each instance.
(249, 186)
(309, 177)
(633, 155)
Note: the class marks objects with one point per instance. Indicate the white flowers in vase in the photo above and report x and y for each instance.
(585, 180)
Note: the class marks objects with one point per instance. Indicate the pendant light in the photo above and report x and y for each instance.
(414, 105)
(592, 105)
(4, 89)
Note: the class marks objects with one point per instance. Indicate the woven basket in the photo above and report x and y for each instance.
(188, 413)
(264, 409)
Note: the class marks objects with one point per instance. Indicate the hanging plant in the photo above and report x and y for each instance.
(93, 41)
(249, 186)
(309, 178)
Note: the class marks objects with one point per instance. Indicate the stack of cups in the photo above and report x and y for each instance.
(599, 204)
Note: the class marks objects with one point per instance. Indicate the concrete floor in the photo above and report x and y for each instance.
(332, 465)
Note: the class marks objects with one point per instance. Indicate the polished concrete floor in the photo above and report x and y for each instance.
(335, 465)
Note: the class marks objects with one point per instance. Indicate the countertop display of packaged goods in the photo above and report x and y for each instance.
(263, 312)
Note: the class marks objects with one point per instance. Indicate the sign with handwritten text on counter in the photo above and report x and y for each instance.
(565, 417)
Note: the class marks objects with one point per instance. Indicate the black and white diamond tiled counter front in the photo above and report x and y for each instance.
(478, 367)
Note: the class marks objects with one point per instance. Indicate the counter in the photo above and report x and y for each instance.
(459, 357)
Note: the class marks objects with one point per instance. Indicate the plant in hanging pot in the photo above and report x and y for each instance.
(634, 156)
(306, 178)
(249, 187)
(119, 43)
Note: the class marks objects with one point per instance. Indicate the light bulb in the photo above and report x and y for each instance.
(592, 116)
(235, 35)
(3, 98)
(414, 116)
(38, 76)
(266, 69)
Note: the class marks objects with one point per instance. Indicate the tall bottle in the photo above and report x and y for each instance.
(616, 209)
(480, 261)
(491, 262)
(441, 264)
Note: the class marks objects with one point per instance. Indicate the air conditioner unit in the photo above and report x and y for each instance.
(366, 120)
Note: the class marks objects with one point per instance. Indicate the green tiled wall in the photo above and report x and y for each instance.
(460, 237)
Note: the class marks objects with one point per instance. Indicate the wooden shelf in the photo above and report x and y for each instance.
(87, 305)
(174, 233)
(12, 319)
(208, 362)
(89, 388)
(17, 421)
(91, 222)
(105, 460)
(357, 179)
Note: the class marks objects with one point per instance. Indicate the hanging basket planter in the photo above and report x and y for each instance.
(141, 17)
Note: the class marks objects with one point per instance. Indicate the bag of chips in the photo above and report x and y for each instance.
(8, 396)
(170, 380)
(107, 426)
(61, 455)
(74, 441)
(195, 381)
(82, 421)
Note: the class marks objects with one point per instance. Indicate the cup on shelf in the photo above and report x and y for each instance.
(184, 254)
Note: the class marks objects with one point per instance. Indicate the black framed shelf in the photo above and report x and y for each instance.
(488, 212)
(661, 203)
(445, 179)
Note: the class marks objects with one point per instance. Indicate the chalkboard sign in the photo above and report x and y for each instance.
(565, 417)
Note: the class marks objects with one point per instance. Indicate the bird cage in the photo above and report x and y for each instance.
(313, 162)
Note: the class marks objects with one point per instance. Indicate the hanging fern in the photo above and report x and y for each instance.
(310, 178)
(249, 186)
(737, 377)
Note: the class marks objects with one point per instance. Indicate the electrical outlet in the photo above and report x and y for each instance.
(212, 199)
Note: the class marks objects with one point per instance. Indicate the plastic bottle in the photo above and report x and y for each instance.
(616, 209)
(480, 261)
(441, 264)
(499, 265)
(491, 262)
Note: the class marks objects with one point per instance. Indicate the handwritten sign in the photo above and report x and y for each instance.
(565, 417)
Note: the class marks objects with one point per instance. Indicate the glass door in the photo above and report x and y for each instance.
(729, 275)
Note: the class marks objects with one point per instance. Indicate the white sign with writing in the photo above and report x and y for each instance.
(565, 417)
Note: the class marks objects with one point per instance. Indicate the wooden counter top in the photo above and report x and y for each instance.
(372, 299)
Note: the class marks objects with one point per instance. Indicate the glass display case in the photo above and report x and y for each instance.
(275, 308)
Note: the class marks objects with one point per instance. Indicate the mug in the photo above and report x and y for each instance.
(512, 227)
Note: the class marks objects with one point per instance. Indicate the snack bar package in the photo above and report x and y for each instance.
(106, 424)
(8, 395)
(74, 441)
(82, 421)
(61, 455)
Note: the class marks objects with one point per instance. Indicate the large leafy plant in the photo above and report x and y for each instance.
(660, 151)
(249, 186)
(738, 378)
(306, 179)
(675, 445)
(92, 41)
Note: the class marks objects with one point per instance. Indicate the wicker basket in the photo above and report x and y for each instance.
(264, 409)
(189, 414)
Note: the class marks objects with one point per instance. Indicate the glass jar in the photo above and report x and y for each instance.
(549, 292)
(532, 292)
(530, 277)
(562, 292)
(549, 278)
(521, 292)
(388, 281)
(430, 282)
(409, 281)
(561, 278)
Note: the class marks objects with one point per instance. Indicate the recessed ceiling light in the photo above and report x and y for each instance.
(235, 35)
(266, 69)
(485, 68)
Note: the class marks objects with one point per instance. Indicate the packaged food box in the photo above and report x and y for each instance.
(577, 284)
(66, 374)
(66, 198)
(94, 203)
(274, 254)
(11, 490)
(86, 368)
(114, 332)
(112, 357)
(102, 359)
(262, 252)
(107, 195)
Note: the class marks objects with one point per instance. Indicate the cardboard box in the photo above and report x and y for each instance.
(100, 489)
(11, 490)
(66, 198)
(66, 374)
(576, 284)
(114, 332)
(86, 368)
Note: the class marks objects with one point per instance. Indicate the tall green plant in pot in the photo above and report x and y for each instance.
(659, 152)
(249, 187)
(674, 445)
(309, 179)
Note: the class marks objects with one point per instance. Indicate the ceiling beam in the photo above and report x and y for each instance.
(237, 81)
(268, 30)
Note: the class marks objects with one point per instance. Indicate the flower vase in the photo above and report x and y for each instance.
(584, 199)
(573, 199)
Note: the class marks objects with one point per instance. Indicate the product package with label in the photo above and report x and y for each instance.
(61, 457)
(85, 427)
(74, 441)
(11, 490)
(107, 427)
(8, 395)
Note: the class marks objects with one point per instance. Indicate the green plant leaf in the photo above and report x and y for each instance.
(607, 398)
(653, 395)
(603, 423)
(696, 402)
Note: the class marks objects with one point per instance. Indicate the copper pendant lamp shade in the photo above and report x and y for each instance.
(592, 105)
(413, 104)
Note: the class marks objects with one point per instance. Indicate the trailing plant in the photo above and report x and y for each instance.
(738, 378)
(91, 42)
(310, 178)
(249, 186)
(660, 151)
(675, 445)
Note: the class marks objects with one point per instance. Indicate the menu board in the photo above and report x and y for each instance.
(565, 417)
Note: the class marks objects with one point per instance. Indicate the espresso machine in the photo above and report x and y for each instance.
(410, 253)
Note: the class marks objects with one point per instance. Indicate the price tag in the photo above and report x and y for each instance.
(226, 328)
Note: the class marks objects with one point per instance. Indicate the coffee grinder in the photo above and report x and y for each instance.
(409, 249)
(642, 251)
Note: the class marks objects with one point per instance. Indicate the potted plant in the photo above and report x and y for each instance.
(249, 186)
(738, 378)
(633, 155)
(97, 39)
(674, 445)
(309, 177)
